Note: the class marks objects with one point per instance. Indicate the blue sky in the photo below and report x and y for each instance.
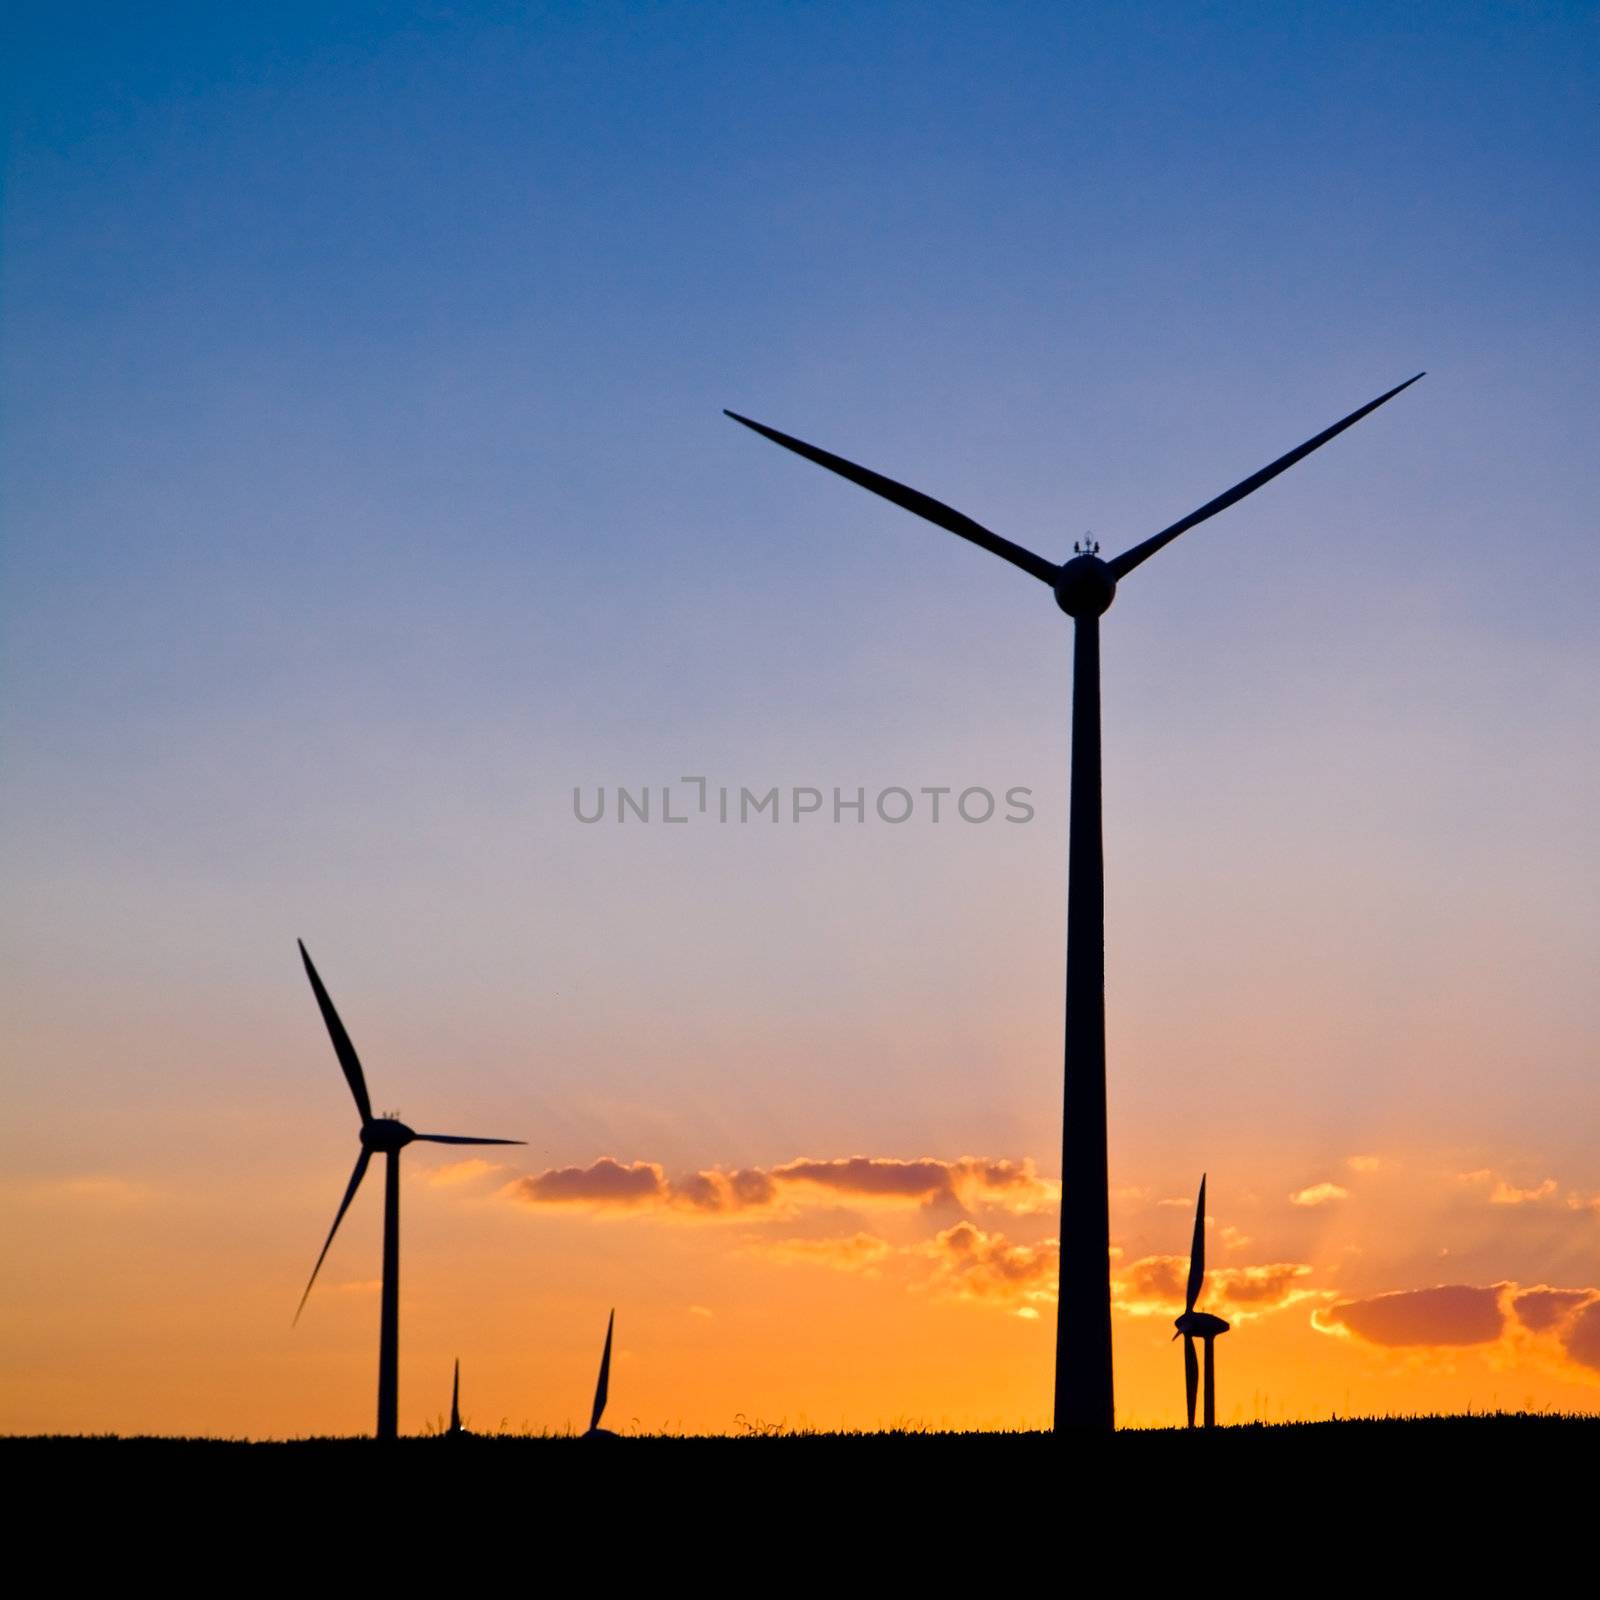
(365, 488)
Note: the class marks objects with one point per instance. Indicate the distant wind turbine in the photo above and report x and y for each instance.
(602, 1388)
(387, 1136)
(455, 1430)
(1199, 1324)
(1084, 588)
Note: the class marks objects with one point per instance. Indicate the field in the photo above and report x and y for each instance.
(1402, 1473)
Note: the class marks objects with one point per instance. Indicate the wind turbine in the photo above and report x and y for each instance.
(1199, 1324)
(387, 1136)
(1084, 588)
(455, 1430)
(602, 1388)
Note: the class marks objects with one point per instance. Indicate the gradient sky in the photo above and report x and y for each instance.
(365, 491)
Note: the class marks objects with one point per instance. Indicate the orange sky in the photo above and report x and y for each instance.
(367, 494)
(826, 1292)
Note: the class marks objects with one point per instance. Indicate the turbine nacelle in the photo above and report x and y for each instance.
(383, 1134)
(1199, 1325)
(1085, 586)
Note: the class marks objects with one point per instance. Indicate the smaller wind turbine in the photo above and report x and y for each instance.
(386, 1136)
(603, 1388)
(1199, 1324)
(455, 1430)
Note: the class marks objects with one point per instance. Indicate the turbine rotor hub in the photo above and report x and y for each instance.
(1085, 587)
(1200, 1325)
(384, 1134)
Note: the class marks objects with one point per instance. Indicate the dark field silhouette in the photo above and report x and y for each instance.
(1437, 1492)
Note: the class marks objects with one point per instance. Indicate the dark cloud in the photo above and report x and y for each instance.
(1582, 1338)
(1449, 1314)
(968, 1183)
(605, 1183)
(1541, 1309)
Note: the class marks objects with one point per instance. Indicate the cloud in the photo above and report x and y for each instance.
(604, 1185)
(1448, 1314)
(1155, 1286)
(455, 1173)
(1505, 1194)
(1363, 1163)
(961, 1262)
(1556, 1328)
(970, 1182)
(970, 1264)
(1582, 1338)
(967, 1184)
(1502, 1192)
(1541, 1309)
(1319, 1194)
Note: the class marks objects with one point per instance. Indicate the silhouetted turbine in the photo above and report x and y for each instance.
(455, 1430)
(1199, 1324)
(1084, 588)
(389, 1136)
(602, 1388)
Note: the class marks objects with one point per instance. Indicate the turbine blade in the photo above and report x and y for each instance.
(344, 1206)
(1197, 1250)
(911, 500)
(603, 1388)
(461, 1138)
(342, 1047)
(1129, 559)
(455, 1400)
(1191, 1375)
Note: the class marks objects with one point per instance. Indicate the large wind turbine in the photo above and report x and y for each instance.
(387, 1136)
(1084, 588)
(1199, 1324)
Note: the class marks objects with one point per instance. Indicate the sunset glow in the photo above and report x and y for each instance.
(369, 509)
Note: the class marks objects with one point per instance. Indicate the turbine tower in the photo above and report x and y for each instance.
(1084, 588)
(1199, 1324)
(602, 1388)
(387, 1136)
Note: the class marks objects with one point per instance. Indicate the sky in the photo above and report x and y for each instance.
(367, 516)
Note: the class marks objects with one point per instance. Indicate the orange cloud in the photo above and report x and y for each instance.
(455, 1173)
(1502, 1192)
(1505, 1194)
(1154, 1286)
(1363, 1163)
(1447, 1314)
(968, 1183)
(1557, 1327)
(969, 1264)
(1319, 1194)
